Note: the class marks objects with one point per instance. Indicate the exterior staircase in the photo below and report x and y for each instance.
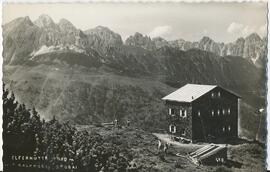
(209, 155)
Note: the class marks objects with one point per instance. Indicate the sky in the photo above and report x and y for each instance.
(223, 22)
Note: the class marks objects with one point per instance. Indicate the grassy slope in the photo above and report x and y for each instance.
(90, 95)
(245, 157)
(85, 96)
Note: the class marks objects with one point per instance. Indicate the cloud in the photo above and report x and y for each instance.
(235, 28)
(161, 31)
(205, 32)
(248, 30)
(245, 30)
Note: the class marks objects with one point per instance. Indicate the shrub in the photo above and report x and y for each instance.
(24, 133)
(223, 169)
(178, 164)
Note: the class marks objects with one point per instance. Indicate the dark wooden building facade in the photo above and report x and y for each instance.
(206, 113)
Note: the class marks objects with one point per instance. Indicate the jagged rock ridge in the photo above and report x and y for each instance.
(44, 31)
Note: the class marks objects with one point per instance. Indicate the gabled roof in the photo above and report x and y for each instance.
(190, 92)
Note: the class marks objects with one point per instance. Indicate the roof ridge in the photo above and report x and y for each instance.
(201, 84)
(189, 92)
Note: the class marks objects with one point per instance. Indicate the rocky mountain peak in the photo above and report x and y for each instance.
(102, 39)
(160, 42)
(206, 39)
(240, 40)
(100, 30)
(66, 25)
(19, 21)
(27, 20)
(178, 41)
(138, 35)
(158, 39)
(106, 35)
(44, 21)
(254, 37)
(139, 40)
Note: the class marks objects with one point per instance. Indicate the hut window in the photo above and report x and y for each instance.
(223, 111)
(183, 132)
(183, 113)
(223, 129)
(199, 113)
(219, 94)
(218, 111)
(171, 112)
(213, 95)
(172, 128)
(213, 113)
(229, 111)
(229, 128)
(222, 159)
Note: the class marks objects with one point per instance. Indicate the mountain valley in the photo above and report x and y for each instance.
(94, 76)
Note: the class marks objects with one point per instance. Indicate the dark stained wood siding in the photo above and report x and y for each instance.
(219, 126)
(180, 122)
(206, 127)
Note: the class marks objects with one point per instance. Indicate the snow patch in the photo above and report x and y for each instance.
(228, 51)
(44, 50)
(256, 58)
(77, 49)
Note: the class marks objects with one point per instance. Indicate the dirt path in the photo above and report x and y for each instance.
(166, 138)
